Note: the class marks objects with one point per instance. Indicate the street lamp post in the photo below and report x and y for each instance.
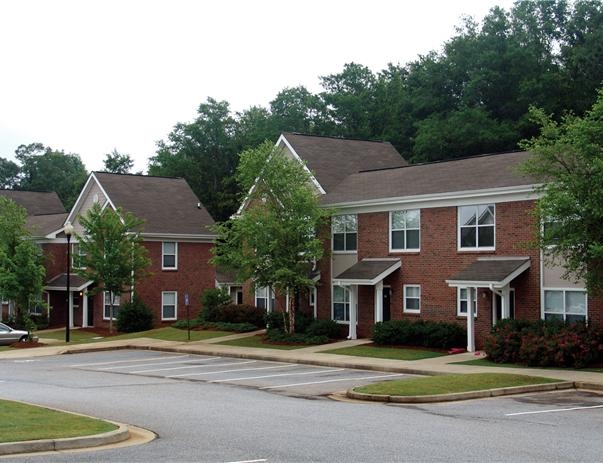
(68, 230)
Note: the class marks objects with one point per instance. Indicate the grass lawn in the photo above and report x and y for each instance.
(448, 384)
(488, 363)
(166, 334)
(257, 341)
(22, 422)
(393, 353)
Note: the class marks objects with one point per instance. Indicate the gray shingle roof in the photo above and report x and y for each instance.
(367, 271)
(42, 225)
(59, 282)
(474, 173)
(166, 204)
(332, 159)
(490, 270)
(36, 202)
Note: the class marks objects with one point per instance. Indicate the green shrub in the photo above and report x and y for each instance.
(276, 320)
(134, 316)
(211, 300)
(422, 333)
(275, 335)
(239, 313)
(236, 327)
(182, 324)
(545, 343)
(327, 328)
(41, 321)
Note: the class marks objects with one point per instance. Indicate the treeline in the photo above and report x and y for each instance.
(471, 97)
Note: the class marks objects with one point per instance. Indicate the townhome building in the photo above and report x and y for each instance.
(435, 241)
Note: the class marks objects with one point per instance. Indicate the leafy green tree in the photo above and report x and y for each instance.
(117, 163)
(273, 241)
(568, 159)
(44, 169)
(297, 110)
(112, 252)
(9, 174)
(204, 153)
(21, 270)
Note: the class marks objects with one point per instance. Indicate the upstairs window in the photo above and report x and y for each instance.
(344, 232)
(169, 259)
(566, 305)
(476, 227)
(405, 230)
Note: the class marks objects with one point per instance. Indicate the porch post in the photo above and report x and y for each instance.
(505, 302)
(470, 321)
(70, 310)
(84, 309)
(379, 302)
(353, 313)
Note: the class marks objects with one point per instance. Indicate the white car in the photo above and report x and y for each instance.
(9, 336)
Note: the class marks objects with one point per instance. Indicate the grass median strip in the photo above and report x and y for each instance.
(165, 334)
(22, 422)
(392, 353)
(258, 341)
(450, 384)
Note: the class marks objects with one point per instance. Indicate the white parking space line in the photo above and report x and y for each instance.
(151, 364)
(333, 381)
(200, 365)
(230, 371)
(274, 376)
(249, 461)
(128, 361)
(554, 410)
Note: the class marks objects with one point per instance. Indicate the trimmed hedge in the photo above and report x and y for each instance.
(134, 316)
(423, 333)
(545, 343)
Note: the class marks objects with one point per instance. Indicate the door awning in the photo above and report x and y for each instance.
(369, 271)
(490, 272)
(59, 283)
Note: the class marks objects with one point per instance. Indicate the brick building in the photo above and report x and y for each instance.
(433, 241)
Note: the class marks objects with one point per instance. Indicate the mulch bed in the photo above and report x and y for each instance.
(27, 344)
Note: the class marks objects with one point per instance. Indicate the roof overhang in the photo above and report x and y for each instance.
(490, 272)
(59, 283)
(369, 271)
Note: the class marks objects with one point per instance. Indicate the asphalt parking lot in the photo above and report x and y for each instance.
(284, 378)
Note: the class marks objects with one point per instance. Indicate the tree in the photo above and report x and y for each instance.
(568, 158)
(117, 163)
(9, 174)
(21, 270)
(112, 252)
(44, 169)
(274, 240)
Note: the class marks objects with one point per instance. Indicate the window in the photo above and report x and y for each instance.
(107, 312)
(168, 305)
(262, 300)
(77, 256)
(341, 304)
(412, 298)
(345, 231)
(566, 305)
(463, 301)
(476, 227)
(170, 255)
(405, 229)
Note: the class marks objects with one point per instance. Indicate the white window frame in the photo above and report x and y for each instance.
(460, 299)
(164, 254)
(266, 294)
(345, 233)
(406, 297)
(405, 230)
(76, 251)
(477, 226)
(163, 305)
(346, 302)
(565, 313)
(107, 305)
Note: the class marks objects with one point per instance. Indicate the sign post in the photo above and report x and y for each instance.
(188, 317)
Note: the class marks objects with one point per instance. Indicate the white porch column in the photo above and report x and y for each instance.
(70, 310)
(379, 302)
(470, 321)
(505, 302)
(353, 313)
(85, 309)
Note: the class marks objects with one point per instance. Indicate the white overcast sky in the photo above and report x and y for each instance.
(88, 76)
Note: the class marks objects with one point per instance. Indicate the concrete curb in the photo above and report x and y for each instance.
(464, 395)
(48, 445)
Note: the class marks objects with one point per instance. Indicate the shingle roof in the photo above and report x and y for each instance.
(332, 159)
(36, 202)
(368, 271)
(496, 271)
(474, 173)
(42, 225)
(59, 282)
(166, 204)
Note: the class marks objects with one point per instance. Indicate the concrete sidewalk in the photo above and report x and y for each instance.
(312, 355)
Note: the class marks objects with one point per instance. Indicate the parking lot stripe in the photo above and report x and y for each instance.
(230, 371)
(274, 376)
(151, 364)
(200, 365)
(554, 410)
(332, 381)
(125, 361)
